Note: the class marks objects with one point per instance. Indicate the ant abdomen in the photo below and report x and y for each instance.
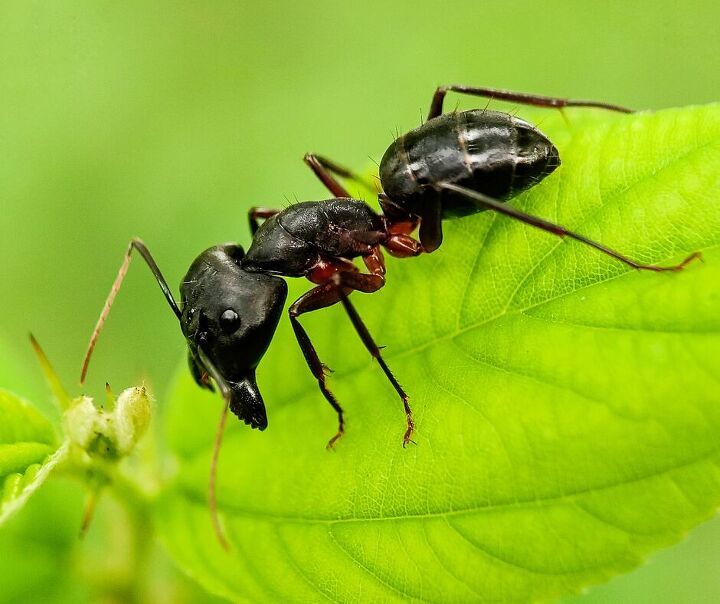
(494, 153)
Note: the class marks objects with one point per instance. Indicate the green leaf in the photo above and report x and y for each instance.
(42, 557)
(567, 408)
(28, 452)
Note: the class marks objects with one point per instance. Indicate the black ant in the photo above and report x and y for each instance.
(453, 165)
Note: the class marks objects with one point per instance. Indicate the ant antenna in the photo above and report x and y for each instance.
(105, 311)
(212, 495)
(212, 491)
(135, 244)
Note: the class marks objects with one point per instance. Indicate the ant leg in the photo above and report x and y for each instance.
(401, 245)
(517, 97)
(256, 212)
(431, 235)
(368, 284)
(375, 261)
(324, 170)
(318, 297)
(135, 244)
(488, 203)
(336, 289)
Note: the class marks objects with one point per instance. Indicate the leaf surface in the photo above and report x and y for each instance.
(567, 407)
(28, 452)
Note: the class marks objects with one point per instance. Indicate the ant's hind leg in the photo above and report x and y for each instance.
(488, 203)
(436, 107)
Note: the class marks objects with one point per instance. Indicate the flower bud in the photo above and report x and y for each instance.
(131, 418)
(108, 434)
(83, 422)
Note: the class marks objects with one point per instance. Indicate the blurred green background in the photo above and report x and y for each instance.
(168, 119)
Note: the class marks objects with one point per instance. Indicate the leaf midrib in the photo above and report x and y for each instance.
(516, 503)
(476, 325)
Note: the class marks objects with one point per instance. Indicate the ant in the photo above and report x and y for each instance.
(464, 162)
(453, 165)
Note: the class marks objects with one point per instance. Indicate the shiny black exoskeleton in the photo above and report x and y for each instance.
(294, 241)
(319, 240)
(231, 302)
(231, 315)
(453, 165)
(466, 162)
(493, 153)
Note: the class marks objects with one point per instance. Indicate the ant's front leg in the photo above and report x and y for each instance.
(318, 297)
(257, 212)
(536, 100)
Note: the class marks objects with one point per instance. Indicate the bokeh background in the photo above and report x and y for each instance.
(169, 119)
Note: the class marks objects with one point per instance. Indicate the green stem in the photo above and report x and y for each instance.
(137, 502)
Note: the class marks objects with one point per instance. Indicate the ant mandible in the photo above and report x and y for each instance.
(453, 165)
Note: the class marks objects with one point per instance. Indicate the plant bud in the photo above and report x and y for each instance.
(82, 422)
(131, 418)
(108, 434)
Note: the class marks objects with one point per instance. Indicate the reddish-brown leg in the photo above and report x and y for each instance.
(335, 289)
(256, 213)
(375, 261)
(368, 284)
(536, 100)
(488, 203)
(403, 246)
(318, 297)
(324, 170)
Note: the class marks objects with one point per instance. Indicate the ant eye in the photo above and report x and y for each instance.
(229, 321)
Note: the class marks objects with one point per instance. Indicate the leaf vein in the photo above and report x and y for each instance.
(367, 569)
(536, 501)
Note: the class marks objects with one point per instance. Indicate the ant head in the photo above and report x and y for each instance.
(231, 314)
